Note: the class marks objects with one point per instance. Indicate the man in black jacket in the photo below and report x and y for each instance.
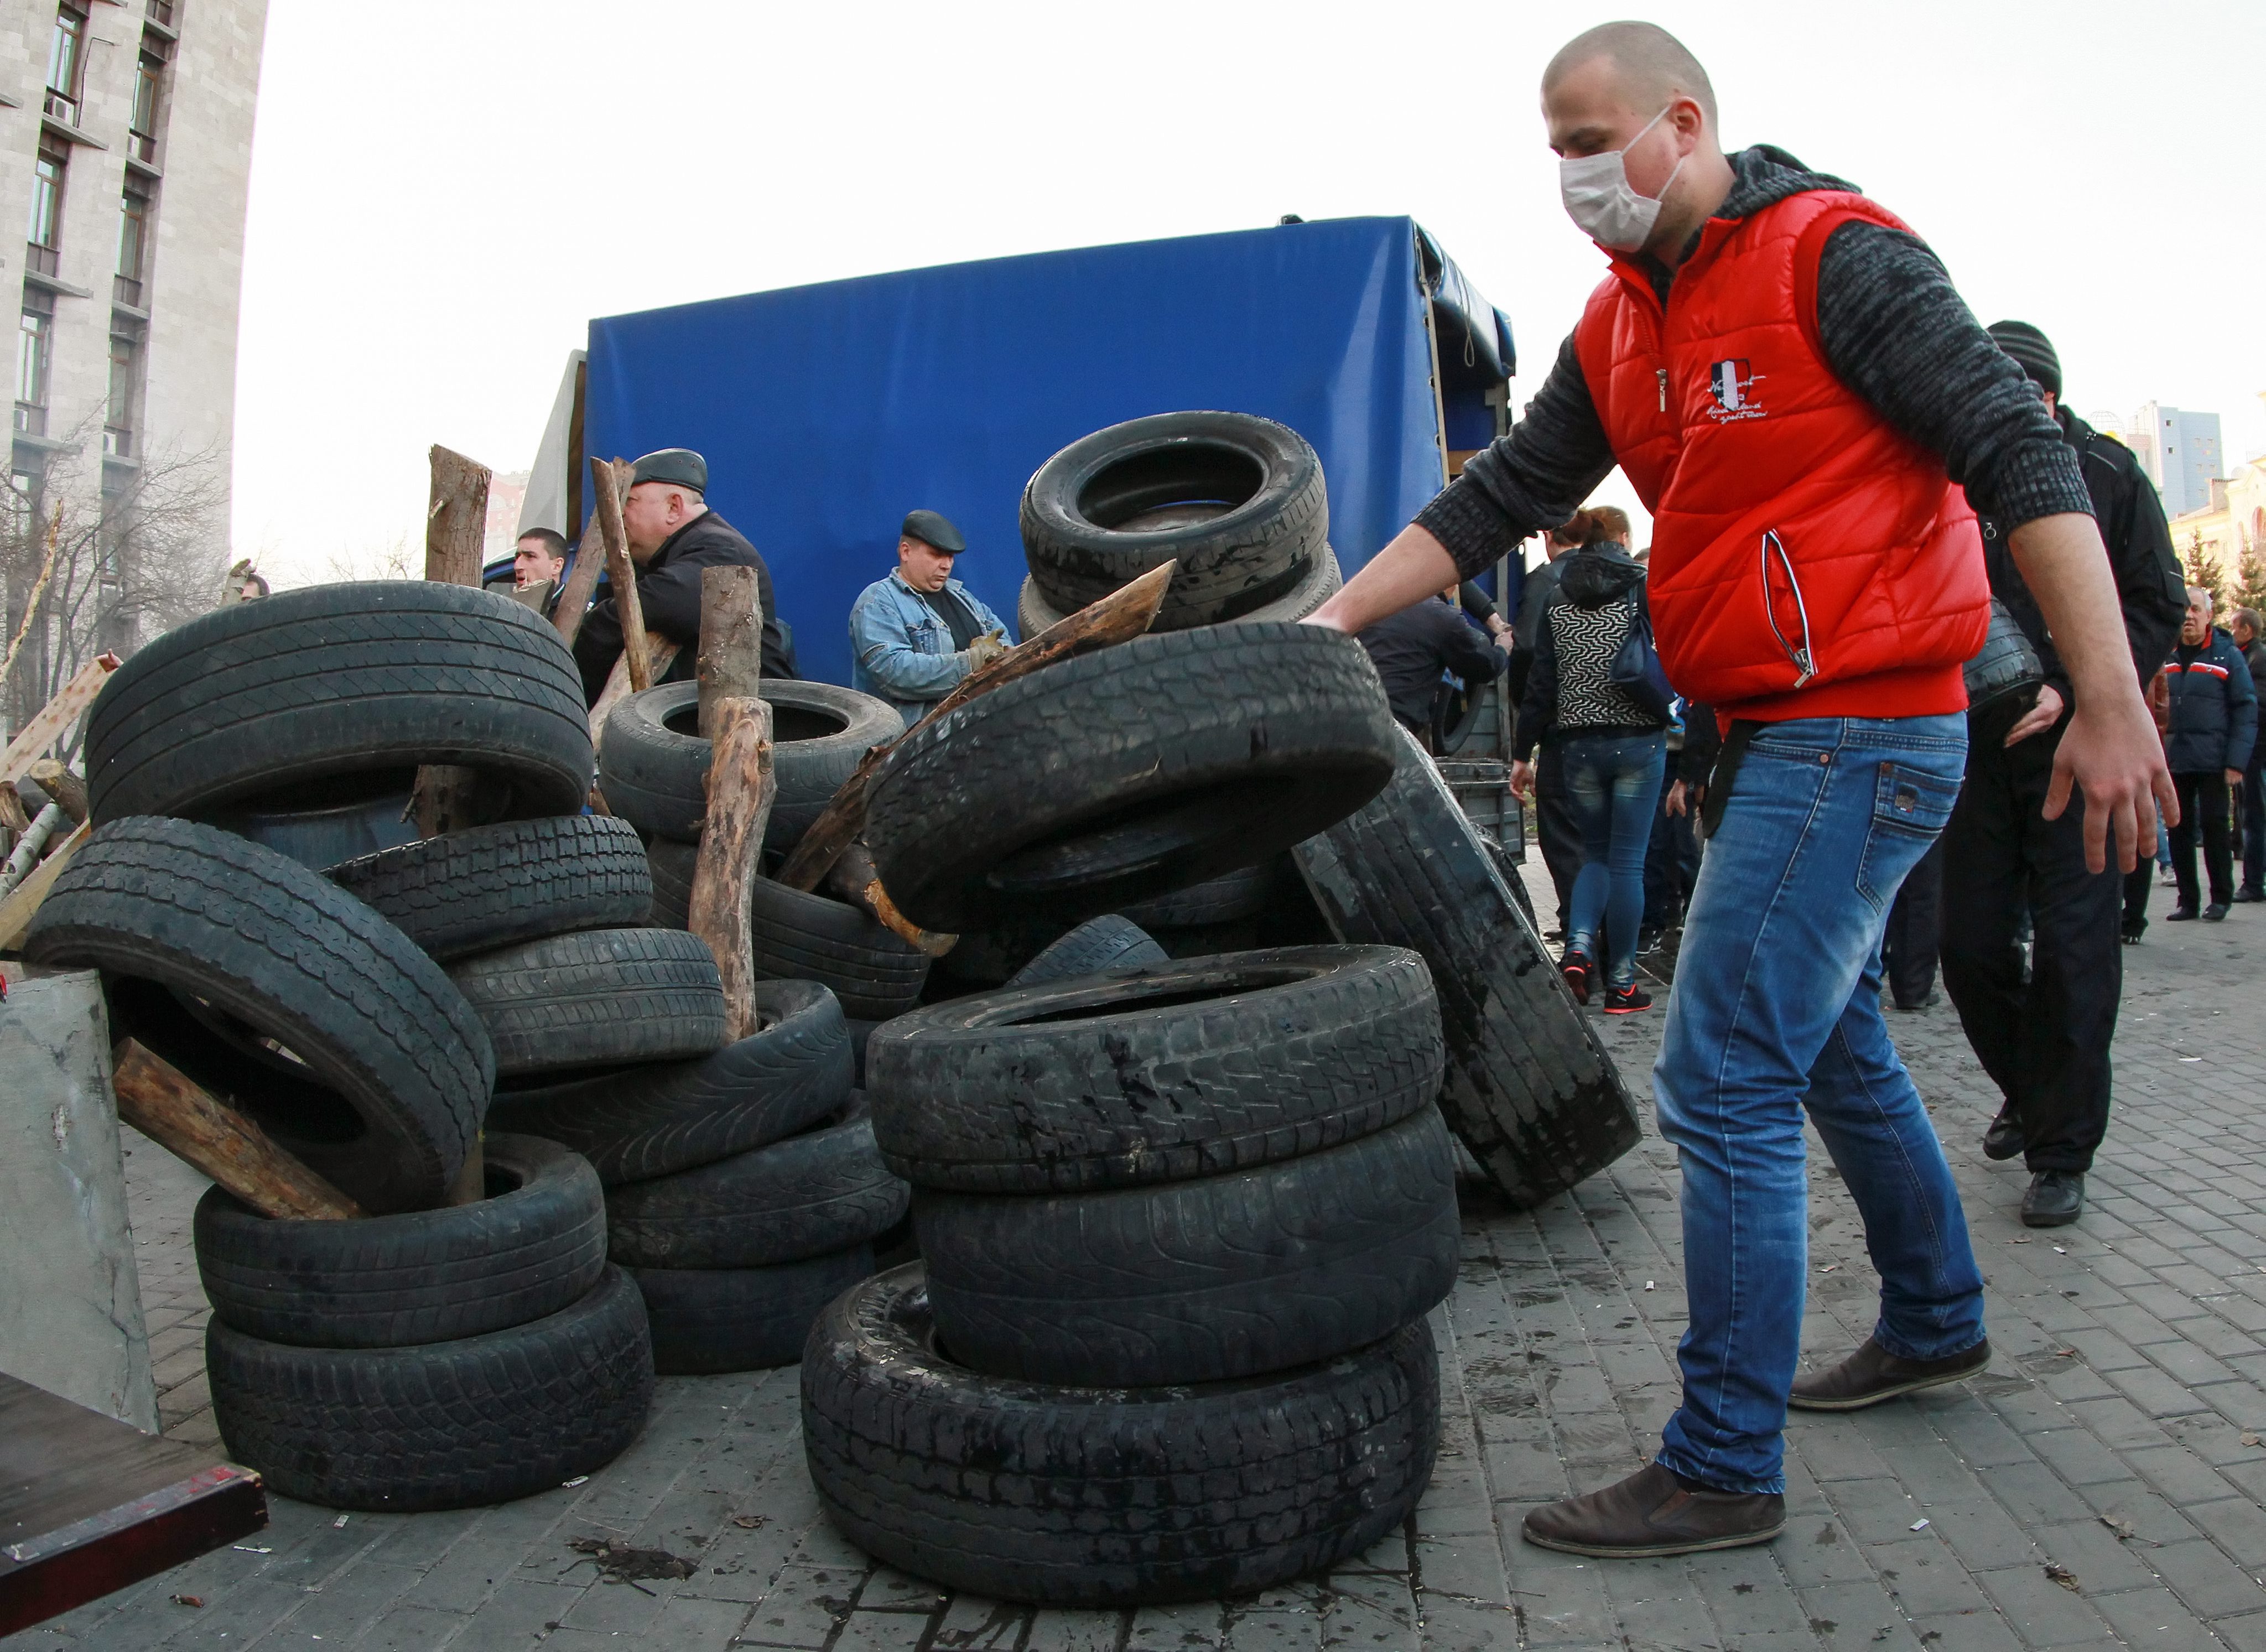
(1412, 649)
(672, 536)
(2045, 1041)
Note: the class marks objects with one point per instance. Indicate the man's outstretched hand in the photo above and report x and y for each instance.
(2111, 754)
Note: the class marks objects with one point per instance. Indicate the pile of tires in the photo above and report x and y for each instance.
(652, 771)
(1237, 500)
(1182, 1223)
(416, 1356)
(743, 1190)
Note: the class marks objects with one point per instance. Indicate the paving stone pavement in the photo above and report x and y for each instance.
(2102, 1485)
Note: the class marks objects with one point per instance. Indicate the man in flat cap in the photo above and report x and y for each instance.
(672, 536)
(914, 635)
(2044, 1038)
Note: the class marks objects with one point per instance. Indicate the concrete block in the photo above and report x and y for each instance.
(70, 1301)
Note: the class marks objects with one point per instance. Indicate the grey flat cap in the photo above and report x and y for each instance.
(932, 527)
(681, 467)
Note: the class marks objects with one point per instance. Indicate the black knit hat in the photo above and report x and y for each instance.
(2032, 350)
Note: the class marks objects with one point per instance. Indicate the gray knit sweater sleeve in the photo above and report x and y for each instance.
(1895, 330)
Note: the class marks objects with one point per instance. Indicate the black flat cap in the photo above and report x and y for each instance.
(2032, 350)
(681, 467)
(931, 527)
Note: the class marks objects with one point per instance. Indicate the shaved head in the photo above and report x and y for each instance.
(1651, 65)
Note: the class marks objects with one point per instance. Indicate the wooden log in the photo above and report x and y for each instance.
(853, 879)
(1122, 615)
(156, 1100)
(25, 854)
(741, 787)
(52, 721)
(59, 783)
(12, 817)
(731, 661)
(456, 534)
(618, 686)
(23, 899)
(622, 573)
(574, 604)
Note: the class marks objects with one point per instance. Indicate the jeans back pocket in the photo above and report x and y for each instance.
(1910, 809)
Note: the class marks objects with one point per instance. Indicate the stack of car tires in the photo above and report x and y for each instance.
(743, 1190)
(652, 771)
(416, 1356)
(1237, 501)
(1182, 1223)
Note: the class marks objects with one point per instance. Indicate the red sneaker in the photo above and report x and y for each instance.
(1627, 1000)
(1580, 975)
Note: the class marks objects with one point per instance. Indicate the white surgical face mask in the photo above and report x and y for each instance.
(1598, 199)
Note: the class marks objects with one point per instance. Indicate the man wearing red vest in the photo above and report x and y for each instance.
(1795, 389)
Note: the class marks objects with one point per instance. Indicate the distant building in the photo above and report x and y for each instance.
(125, 151)
(2229, 528)
(2180, 453)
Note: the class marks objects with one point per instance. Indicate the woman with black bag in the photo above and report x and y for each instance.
(1596, 694)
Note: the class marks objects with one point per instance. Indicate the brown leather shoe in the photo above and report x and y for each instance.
(1650, 1513)
(1873, 1374)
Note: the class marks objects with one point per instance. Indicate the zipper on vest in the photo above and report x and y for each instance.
(1663, 373)
(1798, 652)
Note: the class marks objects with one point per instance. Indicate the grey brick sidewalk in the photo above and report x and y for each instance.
(2103, 1485)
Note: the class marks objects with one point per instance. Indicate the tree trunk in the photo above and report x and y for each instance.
(731, 660)
(741, 787)
(623, 575)
(574, 604)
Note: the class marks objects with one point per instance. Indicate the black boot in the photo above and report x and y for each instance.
(2056, 1198)
(2003, 1138)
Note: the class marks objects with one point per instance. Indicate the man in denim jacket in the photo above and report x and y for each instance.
(917, 633)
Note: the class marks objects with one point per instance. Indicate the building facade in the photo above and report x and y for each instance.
(125, 151)
(2180, 453)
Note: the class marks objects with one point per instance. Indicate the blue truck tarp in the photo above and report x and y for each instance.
(827, 412)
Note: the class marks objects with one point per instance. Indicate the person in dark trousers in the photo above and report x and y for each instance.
(1797, 393)
(1912, 946)
(2046, 1040)
(2248, 630)
(672, 536)
(2214, 728)
(2140, 880)
(1612, 752)
(1557, 833)
(1672, 860)
(1412, 648)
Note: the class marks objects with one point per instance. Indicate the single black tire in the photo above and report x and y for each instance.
(671, 865)
(321, 837)
(1107, 942)
(1190, 1282)
(1156, 1072)
(598, 997)
(1530, 1090)
(442, 1425)
(1127, 774)
(794, 936)
(1220, 900)
(655, 1120)
(215, 950)
(535, 1244)
(2006, 661)
(335, 693)
(1321, 582)
(1237, 500)
(1115, 1496)
(711, 1319)
(653, 763)
(493, 886)
(823, 1190)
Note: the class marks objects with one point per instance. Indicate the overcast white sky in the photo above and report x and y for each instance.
(444, 192)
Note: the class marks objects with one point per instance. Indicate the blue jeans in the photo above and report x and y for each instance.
(1614, 783)
(1776, 1008)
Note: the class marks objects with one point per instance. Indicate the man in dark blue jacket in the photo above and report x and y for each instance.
(1412, 648)
(2214, 724)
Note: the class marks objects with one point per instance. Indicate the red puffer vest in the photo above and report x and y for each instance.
(1806, 560)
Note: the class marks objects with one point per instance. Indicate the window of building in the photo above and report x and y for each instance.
(118, 414)
(23, 502)
(149, 89)
(136, 225)
(43, 235)
(35, 357)
(161, 12)
(66, 61)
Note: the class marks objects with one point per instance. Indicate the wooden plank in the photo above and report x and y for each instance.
(731, 660)
(89, 1505)
(574, 604)
(741, 787)
(23, 899)
(156, 1100)
(622, 574)
(52, 721)
(1122, 615)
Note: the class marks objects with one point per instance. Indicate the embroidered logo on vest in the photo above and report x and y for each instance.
(1732, 384)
